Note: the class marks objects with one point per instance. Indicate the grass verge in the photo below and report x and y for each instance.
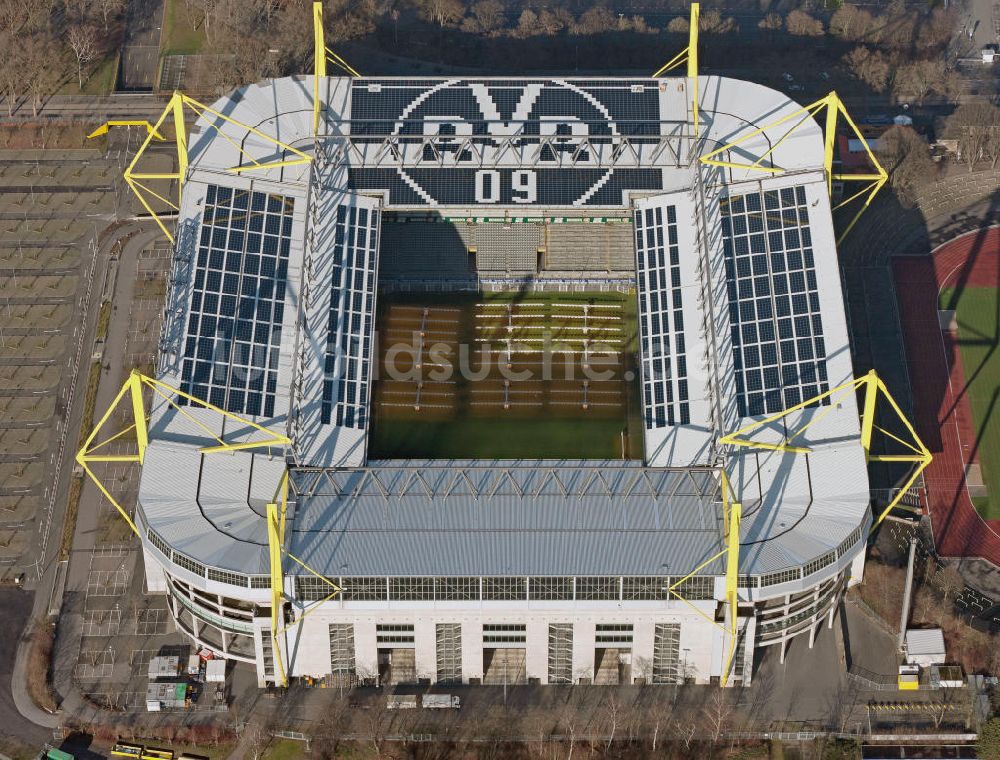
(977, 311)
(103, 320)
(284, 749)
(182, 35)
(76, 484)
(39, 666)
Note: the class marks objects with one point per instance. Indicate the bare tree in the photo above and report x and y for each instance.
(947, 580)
(206, 9)
(772, 22)
(42, 69)
(11, 72)
(974, 126)
(937, 29)
(377, 720)
(678, 25)
(109, 8)
(918, 79)
(527, 23)
(938, 706)
(661, 713)
(569, 719)
(490, 16)
(907, 158)
(595, 21)
(717, 712)
(852, 24)
(686, 729)
(83, 41)
(613, 714)
(441, 12)
(870, 66)
(802, 24)
(552, 22)
(257, 738)
(712, 22)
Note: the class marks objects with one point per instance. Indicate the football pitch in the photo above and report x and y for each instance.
(506, 376)
(977, 311)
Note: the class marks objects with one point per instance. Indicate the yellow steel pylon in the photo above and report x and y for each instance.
(175, 110)
(731, 515)
(688, 55)
(92, 452)
(834, 106)
(276, 516)
(321, 53)
(103, 129)
(873, 386)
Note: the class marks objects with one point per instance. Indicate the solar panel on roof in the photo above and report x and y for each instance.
(237, 306)
(778, 348)
(352, 314)
(661, 318)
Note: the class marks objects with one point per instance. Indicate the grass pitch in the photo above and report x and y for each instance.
(468, 377)
(978, 316)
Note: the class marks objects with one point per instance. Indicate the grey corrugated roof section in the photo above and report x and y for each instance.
(507, 518)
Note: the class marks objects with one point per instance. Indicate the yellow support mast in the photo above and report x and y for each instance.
(915, 451)
(319, 60)
(175, 111)
(688, 55)
(731, 515)
(275, 545)
(93, 451)
(103, 129)
(835, 109)
(321, 53)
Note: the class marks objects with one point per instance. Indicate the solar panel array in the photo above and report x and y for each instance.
(234, 328)
(661, 318)
(778, 348)
(352, 315)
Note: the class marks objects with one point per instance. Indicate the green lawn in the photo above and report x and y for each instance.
(977, 311)
(516, 434)
(182, 34)
(100, 81)
(284, 749)
(497, 439)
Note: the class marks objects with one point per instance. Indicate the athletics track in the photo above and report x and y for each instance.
(943, 416)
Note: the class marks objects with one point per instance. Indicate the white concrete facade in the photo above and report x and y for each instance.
(699, 653)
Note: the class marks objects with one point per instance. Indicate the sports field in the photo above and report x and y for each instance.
(977, 312)
(506, 376)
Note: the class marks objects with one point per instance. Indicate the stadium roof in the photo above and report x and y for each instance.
(272, 314)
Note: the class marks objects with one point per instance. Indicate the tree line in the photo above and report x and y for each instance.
(47, 44)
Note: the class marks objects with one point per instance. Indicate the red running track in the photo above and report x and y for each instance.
(943, 416)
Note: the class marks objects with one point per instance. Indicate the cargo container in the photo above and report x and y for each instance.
(164, 666)
(401, 701)
(166, 696)
(215, 671)
(440, 701)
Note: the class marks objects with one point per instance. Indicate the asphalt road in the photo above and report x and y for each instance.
(16, 605)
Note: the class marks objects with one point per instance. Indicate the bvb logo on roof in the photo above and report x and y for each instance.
(523, 132)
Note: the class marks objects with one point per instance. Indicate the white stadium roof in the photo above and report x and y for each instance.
(740, 307)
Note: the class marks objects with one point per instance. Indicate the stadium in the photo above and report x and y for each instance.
(501, 381)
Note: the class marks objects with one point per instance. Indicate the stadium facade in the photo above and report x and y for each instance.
(549, 571)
